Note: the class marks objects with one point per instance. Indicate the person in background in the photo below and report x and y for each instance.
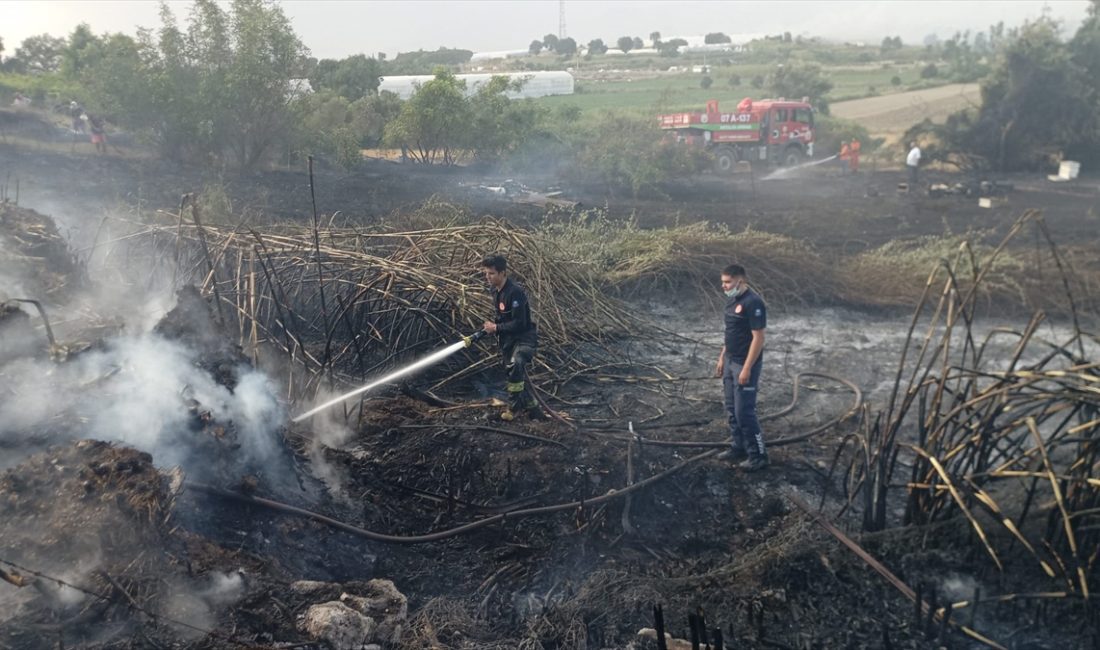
(842, 157)
(853, 156)
(912, 162)
(76, 113)
(98, 133)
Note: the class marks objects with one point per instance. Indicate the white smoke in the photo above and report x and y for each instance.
(196, 605)
(137, 390)
(329, 430)
(223, 588)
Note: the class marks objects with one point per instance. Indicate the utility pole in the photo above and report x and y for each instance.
(561, 19)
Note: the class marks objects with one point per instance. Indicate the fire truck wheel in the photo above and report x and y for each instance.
(792, 156)
(725, 160)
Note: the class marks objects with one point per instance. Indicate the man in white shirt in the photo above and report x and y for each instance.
(912, 161)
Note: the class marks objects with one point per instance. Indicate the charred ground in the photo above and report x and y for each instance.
(586, 576)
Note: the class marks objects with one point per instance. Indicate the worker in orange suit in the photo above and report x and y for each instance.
(844, 154)
(853, 156)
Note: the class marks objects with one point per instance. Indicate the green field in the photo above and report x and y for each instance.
(675, 92)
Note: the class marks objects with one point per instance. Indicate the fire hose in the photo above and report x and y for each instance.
(553, 508)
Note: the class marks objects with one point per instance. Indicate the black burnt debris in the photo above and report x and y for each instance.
(414, 517)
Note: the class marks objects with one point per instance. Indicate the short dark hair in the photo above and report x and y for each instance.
(496, 262)
(734, 271)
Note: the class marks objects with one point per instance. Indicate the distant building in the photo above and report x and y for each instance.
(698, 44)
(502, 54)
(538, 84)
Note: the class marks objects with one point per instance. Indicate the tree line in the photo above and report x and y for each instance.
(1040, 101)
(234, 82)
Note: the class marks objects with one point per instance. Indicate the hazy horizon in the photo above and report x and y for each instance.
(335, 28)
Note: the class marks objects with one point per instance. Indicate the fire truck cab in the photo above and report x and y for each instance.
(768, 131)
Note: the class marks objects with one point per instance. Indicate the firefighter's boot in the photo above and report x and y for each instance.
(534, 411)
(516, 400)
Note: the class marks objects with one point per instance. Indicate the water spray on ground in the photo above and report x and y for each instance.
(782, 172)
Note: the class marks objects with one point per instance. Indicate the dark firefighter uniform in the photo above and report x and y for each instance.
(743, 314)
(519, 339)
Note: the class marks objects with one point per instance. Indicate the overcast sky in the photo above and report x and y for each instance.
(337, 28)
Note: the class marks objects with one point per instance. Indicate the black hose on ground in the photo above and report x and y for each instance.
(450, 532)
(549, 509)
(857, 402)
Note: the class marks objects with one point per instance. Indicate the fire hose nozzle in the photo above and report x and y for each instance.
(473, 338)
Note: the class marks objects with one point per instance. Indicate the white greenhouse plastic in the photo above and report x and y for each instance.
(538, 84)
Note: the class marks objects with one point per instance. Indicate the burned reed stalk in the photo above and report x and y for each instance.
(972, 424)
(881, 569)
(628, 526)
(320, 271)
(397, 293)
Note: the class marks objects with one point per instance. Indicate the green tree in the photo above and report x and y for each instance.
(1085, 52)
(630, 153)
(425, 62)
(353, 77)
(655, 39)
(929, 71)
(625, 43)
(433, 124)
(221, 86)
(716, 37)
(801, 80)
(890, 44)
(535, 47)
(81, 50)
(1037, 103)
(566, 47)
(330, 125)
(266, 56)
(638, 43)
(40, 54)
(596, 46)
(550, 42)
(734, 80)
(895, 80)
(113, 79)
(706, 82)
(498, 124)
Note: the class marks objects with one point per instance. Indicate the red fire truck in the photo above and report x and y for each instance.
(774, 131)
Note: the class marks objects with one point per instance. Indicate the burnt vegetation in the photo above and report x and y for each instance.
(931, 404)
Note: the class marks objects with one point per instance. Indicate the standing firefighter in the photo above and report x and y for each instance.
(739, 366)
(518, 335)
(853, 156)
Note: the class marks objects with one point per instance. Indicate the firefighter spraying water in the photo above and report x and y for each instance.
(516, 331)
(431, 359)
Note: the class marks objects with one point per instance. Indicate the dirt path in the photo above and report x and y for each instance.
(891, 115)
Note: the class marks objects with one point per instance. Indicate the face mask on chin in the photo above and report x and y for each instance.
(736, 290)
